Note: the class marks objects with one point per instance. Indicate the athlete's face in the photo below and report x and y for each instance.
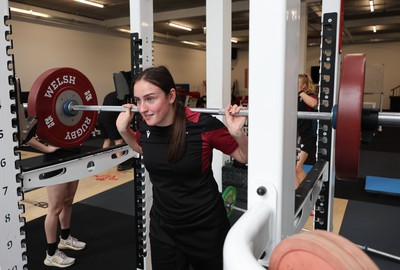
(152, 103)
(301, 84)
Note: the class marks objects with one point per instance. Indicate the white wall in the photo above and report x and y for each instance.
(38, 48)
(382, 54)
(238, 69)
(385, 54)
(186, 65)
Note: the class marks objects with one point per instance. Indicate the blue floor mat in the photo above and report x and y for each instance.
(382, 185)
(307, 168)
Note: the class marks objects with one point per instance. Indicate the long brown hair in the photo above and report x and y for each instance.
(162, 78)
(310, 88)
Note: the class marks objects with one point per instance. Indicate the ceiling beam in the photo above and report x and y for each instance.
(178, 14)
(365, 22)
(376, 37)
(372, 21)
(239, 33)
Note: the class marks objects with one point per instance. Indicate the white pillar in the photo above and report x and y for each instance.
(303, 38)
(273, 70)
(218, 37)
(141, 22)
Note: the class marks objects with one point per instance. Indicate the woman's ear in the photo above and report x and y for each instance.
(172, 95)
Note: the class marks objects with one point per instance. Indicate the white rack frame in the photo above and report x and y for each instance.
(273, 58)
(273, 73)
(12, 236)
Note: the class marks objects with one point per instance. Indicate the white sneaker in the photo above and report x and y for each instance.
(59, 259)
(71, 243)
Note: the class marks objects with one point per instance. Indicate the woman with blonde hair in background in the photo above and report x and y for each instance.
(307, 101)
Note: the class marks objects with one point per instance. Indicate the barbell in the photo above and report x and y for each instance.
(229, 196)
(64, 102)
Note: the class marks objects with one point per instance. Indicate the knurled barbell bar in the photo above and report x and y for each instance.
(384, 118)
(64, 103)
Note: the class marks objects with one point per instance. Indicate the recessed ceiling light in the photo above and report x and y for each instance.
(90, 3)
(180, 26)
(124, 30)
(371, 5)
(191, 43)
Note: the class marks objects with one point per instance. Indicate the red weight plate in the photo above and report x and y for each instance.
(355, 252)
(349, 112)
(47, 98)
(309, 251)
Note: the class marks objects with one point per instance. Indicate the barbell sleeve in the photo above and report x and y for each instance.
(314, 115)
(375, 251)
(231, 206)
(238, 209)
(389, 119)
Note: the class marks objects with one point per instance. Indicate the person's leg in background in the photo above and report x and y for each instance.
(300, 172)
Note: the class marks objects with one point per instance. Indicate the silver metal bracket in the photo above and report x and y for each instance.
(71, 170)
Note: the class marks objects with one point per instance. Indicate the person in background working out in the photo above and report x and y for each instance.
(307, 101)
(106, 121)
(60, 199)
(109, 133)
(188, 218)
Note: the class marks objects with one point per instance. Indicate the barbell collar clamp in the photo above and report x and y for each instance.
(68, 107)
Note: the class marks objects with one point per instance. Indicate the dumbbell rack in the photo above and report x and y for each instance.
(12, 236)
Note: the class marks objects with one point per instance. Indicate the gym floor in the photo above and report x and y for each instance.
(35, 201)
(367, 219)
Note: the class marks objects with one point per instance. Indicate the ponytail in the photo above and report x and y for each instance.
(177, 145)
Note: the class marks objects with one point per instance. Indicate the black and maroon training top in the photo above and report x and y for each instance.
(184, 191)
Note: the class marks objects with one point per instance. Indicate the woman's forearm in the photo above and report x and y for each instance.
(241, 154)
(129, 137)
(310, 101)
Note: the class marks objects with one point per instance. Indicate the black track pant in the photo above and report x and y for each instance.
(198, 245)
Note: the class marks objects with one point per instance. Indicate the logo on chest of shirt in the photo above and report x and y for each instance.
(148, 133)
